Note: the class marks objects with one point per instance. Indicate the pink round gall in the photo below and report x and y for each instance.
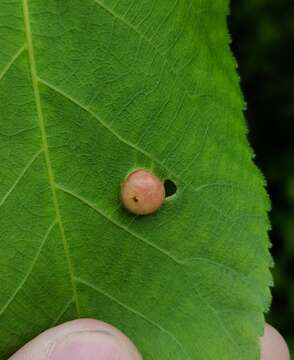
(142, 193)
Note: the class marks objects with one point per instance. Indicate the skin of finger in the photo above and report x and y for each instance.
(273, 346)
(43, 347)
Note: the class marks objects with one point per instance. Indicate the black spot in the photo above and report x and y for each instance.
(170, 188)
(135, 199)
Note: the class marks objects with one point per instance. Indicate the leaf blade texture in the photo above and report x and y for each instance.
(89, 91)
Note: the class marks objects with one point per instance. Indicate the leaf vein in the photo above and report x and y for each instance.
(41, 122)
(86, 202)
(20, 176)
(146, 39)
(103, 123)
(123, 140)
(242, 276)
(134, 311)
(12, 61)
(30, 269)
(217, 316)
(62, 312)
(116, 223)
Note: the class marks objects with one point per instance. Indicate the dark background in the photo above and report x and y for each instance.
(263, 43)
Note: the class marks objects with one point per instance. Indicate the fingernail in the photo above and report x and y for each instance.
(92, 345)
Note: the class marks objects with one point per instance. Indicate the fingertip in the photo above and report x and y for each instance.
(273, 345)
(92, 345)
(80, 339)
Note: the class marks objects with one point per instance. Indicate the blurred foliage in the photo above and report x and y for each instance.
(263, 42)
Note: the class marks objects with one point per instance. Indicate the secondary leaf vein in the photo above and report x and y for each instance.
(166, 253)
(62, 312)
(146, 39)
(12, 61)
(117, 224)
(137, 313)
(20, 176)
(30, 269)
(123, 140)
(104, 124)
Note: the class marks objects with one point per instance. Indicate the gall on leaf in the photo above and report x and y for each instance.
(142, 193)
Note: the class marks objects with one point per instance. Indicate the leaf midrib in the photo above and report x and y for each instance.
(41, 122)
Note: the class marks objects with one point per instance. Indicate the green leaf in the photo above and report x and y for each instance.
(90, 90)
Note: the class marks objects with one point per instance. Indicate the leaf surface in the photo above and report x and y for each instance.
(89, 91)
